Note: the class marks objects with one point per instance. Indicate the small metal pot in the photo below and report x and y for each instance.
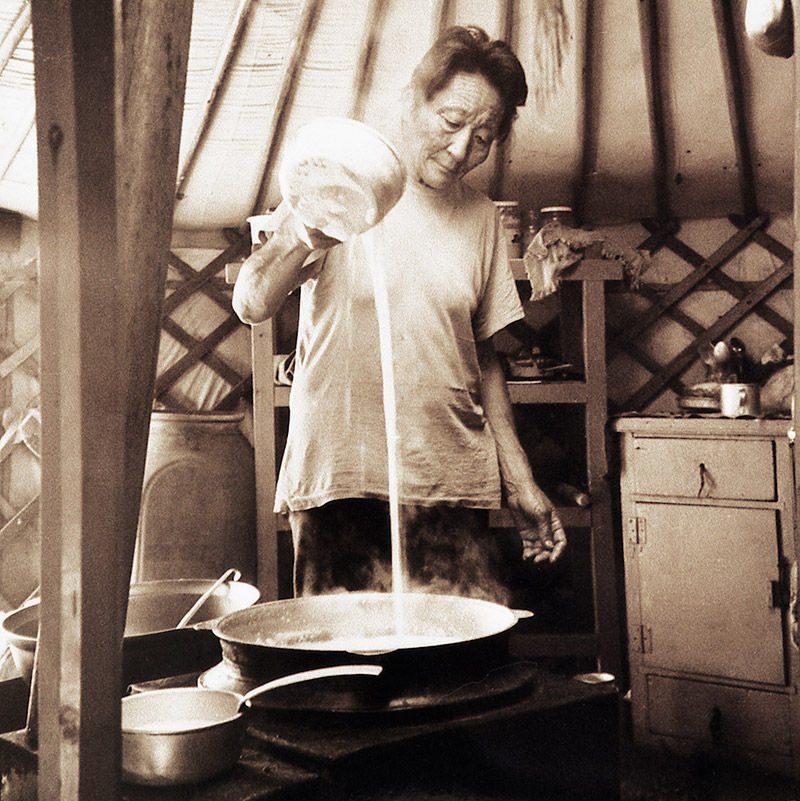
(189, 734)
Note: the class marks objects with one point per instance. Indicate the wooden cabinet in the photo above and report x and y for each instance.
(707, 510)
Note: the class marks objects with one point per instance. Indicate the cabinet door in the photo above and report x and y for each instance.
(704, 574)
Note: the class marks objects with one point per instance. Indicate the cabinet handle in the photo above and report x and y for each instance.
(702, 480)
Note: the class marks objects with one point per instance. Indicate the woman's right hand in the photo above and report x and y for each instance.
(312, 238)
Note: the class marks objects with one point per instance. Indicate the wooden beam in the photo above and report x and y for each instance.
(373, 27)
(109, 99)
(440, 16)
(683, 287)
(736, 288)
(655, 80)
(304, 30)
(735, 93)
(81, 480)
(198, 351)
(587, 108)
(16, 33)
(228, 51)
(501, 148)
(725, 323)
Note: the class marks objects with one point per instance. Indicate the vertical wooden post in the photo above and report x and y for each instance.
(82, 420)
(107, 145)
(265, 460)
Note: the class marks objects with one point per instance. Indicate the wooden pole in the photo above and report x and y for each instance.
(655, 84)
(373, 27)
(501, 148)
(107, 144)
(228, 51)
(735, 94)
(293, 63)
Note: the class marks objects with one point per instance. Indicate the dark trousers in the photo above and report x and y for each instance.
(346, 546)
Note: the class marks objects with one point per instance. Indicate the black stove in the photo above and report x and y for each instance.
(520, 733)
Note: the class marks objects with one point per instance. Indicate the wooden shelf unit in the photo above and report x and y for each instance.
(604, 642)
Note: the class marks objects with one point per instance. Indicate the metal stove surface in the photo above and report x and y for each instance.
(358, 696)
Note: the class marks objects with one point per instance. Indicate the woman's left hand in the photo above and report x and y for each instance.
(540, 527)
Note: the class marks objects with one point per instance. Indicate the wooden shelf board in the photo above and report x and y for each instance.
(571, 517)
(522, 391)
(584, 270)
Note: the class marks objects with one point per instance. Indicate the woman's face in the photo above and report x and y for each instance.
(452, 133)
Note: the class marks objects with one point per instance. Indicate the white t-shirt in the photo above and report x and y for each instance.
(449, 285)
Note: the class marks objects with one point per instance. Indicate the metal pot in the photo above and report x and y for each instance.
(441, 640)
(190, 734)
(153, 607)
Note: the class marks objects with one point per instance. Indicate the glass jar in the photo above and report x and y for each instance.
(511, 226)
(560, 214)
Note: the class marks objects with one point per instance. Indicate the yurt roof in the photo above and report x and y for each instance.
(636, 109)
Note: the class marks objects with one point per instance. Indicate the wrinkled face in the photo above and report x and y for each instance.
(452, 133)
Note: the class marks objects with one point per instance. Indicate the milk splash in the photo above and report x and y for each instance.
(373, 246)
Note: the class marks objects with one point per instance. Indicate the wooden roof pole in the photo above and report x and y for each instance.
(304, 30)
(440, 14)
(655, 84)
(228, 51)
(366, 57)
(8, 46)
(108, 128)
(501, 148)
(735, 94)
(587, 109)
(15, 34)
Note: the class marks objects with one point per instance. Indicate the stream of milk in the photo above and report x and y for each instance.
(373, 244)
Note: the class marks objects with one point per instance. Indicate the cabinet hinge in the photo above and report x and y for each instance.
(644, 640)
(637, 530)
(780, 590)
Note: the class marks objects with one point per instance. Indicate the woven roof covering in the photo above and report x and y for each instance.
(637, 109)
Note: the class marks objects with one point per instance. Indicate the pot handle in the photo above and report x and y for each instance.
(207, 594)
(309, 675)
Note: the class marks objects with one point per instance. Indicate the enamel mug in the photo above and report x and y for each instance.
(740, 400)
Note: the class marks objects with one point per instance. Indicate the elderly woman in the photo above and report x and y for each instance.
(450, 290)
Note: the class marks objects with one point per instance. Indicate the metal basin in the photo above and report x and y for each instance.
(153, 607)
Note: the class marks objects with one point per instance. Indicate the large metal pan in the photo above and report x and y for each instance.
(440, 641)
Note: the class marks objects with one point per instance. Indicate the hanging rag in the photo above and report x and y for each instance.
(555, 247)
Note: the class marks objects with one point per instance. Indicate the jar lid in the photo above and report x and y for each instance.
(506, 203)
(546, 209)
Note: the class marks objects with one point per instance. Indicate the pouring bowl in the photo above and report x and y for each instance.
(340, 176)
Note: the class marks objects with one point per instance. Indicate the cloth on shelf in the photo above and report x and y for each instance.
(556, 247)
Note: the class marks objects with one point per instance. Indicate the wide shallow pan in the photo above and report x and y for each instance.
(190, 734)
(153, 607)
(424, 642)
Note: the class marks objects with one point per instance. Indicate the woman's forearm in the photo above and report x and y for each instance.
(270, 274)
(514, 465)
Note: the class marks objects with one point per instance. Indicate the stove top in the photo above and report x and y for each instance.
(353, 695)
(553, 738)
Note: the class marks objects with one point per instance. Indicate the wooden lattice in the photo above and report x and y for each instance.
(203, 348)
(750, 299)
